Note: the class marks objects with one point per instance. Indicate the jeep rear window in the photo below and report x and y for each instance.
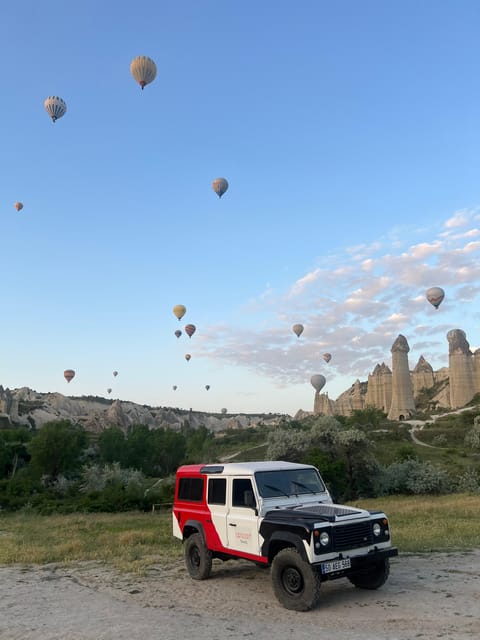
(190, 489)
(273, 484)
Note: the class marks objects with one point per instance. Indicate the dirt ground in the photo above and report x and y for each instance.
(427, 596)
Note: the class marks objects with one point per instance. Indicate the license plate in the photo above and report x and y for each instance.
(335, 565)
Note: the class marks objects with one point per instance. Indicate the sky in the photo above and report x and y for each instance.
(349, 134)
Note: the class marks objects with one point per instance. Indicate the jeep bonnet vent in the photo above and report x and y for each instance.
(212, 468)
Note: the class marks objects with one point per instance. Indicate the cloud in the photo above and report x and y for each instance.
(356, 302)
(459, 219)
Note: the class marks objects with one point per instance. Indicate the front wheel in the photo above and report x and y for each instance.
(296, 583)
(198, 559)
(373, 576)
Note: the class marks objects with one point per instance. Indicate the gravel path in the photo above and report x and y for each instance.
(427, 596)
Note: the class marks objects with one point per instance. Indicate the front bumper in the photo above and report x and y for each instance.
(361, 562)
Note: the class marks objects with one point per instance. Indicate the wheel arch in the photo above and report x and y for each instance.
(283, 540)
(193, 526)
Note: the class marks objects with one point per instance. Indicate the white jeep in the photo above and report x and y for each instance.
(278, 514)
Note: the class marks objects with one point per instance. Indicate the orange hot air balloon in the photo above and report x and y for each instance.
(190, 329)
(18, 206)
(187, 357)
(327, 357)
(179, 310)
(178, 333)
(69, 374)
(220, 185)
(297, 329)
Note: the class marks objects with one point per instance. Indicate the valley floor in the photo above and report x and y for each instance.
(427, 596)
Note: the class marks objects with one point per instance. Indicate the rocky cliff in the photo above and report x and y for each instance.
(33, 409)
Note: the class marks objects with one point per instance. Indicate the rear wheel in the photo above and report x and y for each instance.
(296, 583)
(198, 559)
(373, 576)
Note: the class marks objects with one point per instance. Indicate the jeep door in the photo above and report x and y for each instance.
(242, 517)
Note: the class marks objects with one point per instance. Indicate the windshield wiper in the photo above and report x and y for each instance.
(303, 486)
(273, 488)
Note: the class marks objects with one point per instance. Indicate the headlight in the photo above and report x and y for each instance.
(324, 539)
(377, 529)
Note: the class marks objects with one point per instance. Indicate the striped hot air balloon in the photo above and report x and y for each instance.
(190, 329)
(55, 107)
(143, 70)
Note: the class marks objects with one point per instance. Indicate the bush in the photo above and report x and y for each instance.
(413, 477)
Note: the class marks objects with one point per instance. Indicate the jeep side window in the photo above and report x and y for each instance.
(190, 489)
(217, 490)
(242, 493)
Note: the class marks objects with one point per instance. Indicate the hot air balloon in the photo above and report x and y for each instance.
(109, 390)
(224, 410)
(435, 295)
(55, 107)
(318, 382)
(174, 387)
(187, 357)
(144, 70)
(207, 387)
(297, 329)
(178, 333)
(18, 206)
(220, 185)
(327, 357)
(115, 373)
(69, 374)
(179, 310)
(190, 329)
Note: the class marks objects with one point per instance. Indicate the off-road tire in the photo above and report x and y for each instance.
(296, 583)
(198, 559)
(373, 576)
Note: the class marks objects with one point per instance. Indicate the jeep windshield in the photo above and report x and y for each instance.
(293, 482)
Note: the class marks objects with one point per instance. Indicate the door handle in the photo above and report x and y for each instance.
(232, 524)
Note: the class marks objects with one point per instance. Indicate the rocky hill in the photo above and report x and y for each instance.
(30, 408)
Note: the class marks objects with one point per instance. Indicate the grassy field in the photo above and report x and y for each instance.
(133, 541)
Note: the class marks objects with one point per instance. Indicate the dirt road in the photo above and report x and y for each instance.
(427, 596)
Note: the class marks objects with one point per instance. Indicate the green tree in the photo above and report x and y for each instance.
(112, 446)
(57, 448)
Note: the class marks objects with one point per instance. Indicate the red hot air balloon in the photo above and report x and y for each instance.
(190, 329)
(69, 374)
(18, 206)
(327, 357)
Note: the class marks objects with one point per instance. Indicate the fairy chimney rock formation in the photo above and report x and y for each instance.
(403, 406)
(379, 389)
(323, 405)
(460, 362)
(422, 376)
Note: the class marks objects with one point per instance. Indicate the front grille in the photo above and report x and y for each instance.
(352, 536)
